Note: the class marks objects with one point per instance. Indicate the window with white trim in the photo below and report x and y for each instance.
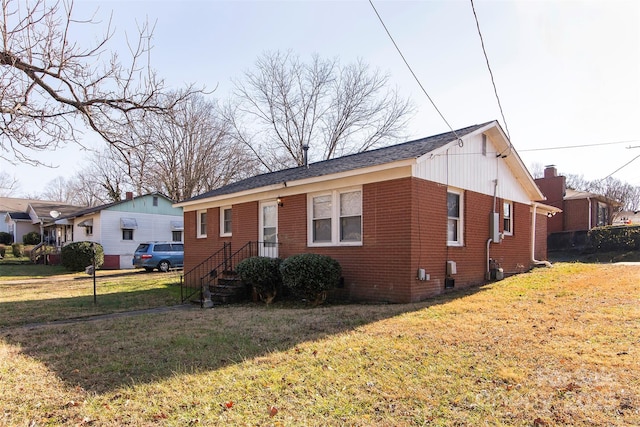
(507, 218)
(335, 218)
(454, 217)
(225, 221)
(201, 223)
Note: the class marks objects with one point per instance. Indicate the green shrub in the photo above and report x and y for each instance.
(31, 238)
(263, 274)
(310, 276)
(5, 238)
(18, 250)
(77, 256)
(615, 237)
(3, 251)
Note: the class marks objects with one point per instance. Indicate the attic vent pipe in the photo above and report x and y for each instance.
(305, 158)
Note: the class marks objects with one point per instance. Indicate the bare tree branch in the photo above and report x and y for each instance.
(51, 86)
(285, 104)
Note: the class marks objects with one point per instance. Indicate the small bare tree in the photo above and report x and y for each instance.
(285, 105)
(52, 87)
(8, 184)
(187, 152)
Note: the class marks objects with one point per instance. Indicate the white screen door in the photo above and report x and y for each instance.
(268, 245)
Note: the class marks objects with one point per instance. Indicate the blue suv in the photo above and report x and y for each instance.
(160, 255)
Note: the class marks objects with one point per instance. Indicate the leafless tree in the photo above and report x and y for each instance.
(57, 190)
(52, 87)
(612, 188)
(187, 152)
(8, 184)
(286, 104)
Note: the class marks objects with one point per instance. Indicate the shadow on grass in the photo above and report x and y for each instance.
(34, 312)
(108, 354)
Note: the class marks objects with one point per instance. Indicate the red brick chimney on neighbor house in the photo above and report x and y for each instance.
(129, 195)
(554, 187)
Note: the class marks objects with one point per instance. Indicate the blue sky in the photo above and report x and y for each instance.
(567, 72)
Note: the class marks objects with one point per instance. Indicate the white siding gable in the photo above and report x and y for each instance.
(468, 168)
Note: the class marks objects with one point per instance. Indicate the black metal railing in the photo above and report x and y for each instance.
(191, 283)
(223, 262)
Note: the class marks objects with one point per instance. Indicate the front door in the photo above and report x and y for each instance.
(268, 245)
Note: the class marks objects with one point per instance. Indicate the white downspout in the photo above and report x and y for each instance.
(533, 240)
(487, 274)
(590, 215)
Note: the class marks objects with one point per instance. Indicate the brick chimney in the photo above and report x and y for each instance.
(550, 171)
(129, 195)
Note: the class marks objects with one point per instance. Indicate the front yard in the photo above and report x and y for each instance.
(552, 347)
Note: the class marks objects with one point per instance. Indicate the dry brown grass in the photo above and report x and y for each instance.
(551, 347)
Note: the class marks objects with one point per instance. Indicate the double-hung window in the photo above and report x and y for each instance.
(454, 217)
(201, 223)
(507, 218)
(225, 221)
(335, 218)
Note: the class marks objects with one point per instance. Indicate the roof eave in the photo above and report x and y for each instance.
(298, 183)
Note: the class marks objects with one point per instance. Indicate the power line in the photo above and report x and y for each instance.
(412, 73)
(621, 167)
(580, 146)
(495, 90)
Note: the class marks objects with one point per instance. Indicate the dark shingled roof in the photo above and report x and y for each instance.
(393, 153)
(22, 216)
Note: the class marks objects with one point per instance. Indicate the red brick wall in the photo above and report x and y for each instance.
(541, 237)
(554, 188)
(111, 262)
(576, 215)
(514, 252)
(404, 228)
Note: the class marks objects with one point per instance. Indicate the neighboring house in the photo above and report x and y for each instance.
(405, 222)
(121, 226)
(21, 216)
(581, 210)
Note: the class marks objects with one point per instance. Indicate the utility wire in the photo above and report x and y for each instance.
(495, 90)
(579, 146)
(621, 167)
(412, 73)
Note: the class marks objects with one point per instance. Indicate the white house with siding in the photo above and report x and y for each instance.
(121, 226)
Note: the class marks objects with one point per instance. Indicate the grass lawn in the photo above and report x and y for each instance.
(552, 347)
(41, 293)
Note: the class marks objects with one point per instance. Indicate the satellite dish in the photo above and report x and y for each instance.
(54, 214)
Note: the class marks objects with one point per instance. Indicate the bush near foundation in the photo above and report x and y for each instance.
(18, 250)
(5, 238)
(79, 255)
(31, 238)
(310, 276)
(263, 274)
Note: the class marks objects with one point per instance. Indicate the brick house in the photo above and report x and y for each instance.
(405, 222)
(580, 210)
